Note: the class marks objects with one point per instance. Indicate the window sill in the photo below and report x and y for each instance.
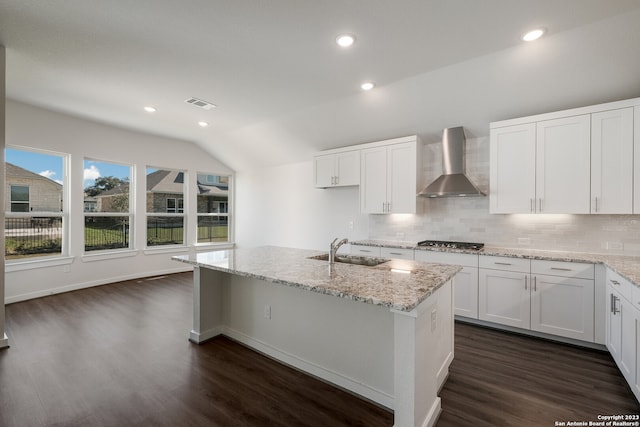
(31, 264)
(213, 246)
(101, 256)
(177, 249)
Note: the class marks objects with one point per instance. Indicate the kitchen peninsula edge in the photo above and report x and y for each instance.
(383, 332)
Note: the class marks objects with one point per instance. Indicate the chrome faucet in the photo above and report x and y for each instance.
(333, 248)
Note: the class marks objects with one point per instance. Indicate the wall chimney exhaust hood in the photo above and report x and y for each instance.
(453, 182)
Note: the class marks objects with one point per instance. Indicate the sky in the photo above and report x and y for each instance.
(51, 166)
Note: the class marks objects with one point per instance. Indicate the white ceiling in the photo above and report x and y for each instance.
(284, 89)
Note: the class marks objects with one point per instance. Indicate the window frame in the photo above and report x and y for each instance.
(19, 202)
(99, 214)
(220, 214)
(63, 257)
(180, 212)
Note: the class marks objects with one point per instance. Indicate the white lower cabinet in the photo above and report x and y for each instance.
(504, 298)
(465, 286)
(623, 328)
(512, 292)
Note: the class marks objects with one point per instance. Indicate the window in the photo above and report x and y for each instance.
(19, 198)
(36, 222)
(213, 208)
(165, 207)
(107, 201)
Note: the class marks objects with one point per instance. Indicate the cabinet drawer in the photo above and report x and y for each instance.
(505, 263)
(620, 284)
(466, 260)
(396, 253)
(563, 269)
(365, 250)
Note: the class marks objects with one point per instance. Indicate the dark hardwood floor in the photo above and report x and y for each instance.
(118, 355)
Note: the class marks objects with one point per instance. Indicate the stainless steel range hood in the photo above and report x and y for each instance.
(453, 182)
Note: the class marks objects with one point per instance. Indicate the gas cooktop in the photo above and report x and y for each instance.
(451, 245)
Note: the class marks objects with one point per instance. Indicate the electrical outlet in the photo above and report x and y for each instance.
(267, 311)
(350, 225)
(524, 241)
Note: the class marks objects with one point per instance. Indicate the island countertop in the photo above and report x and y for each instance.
(398, 284)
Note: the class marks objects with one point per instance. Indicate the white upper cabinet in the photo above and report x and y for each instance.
(389, 176)
(578, 161)
(636, 161)
(337, 169)
(512, 176)
(612, 162)
(563, 163)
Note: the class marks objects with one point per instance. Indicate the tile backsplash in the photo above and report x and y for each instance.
(468, 219)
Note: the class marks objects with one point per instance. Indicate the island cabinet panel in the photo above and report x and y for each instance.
(389, 340)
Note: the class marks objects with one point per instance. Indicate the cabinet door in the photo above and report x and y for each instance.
(323, 167)
(563, 165)
(347, 168)
(614, 324)
(503, 297)
(401, 178)
(636, 160)
(627, 363)
(373, 180)
(562, 306)
(512, 169)
(465, 291)
(612, 162)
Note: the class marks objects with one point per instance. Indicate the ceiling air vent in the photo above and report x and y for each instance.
(200, 103)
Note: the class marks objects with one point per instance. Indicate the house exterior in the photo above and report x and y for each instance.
(27, 191)
(165, 194)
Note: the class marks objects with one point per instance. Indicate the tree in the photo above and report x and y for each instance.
(104, 183)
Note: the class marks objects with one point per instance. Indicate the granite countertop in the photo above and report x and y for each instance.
(398, 284)
(627, 266)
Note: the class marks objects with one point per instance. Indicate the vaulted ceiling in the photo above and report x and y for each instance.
(284, 89)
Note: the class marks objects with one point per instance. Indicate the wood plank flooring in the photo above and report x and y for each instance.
(118, 355)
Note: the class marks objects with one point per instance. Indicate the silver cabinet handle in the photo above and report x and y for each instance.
(502, 263)
(615, 282)
(616, 310)
(531, 207)
(395, 253)
(525, 282)
(561, 269)
(540, 210)
(596, 202)
(535, 284)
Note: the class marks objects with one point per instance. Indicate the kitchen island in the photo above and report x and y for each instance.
(384, 332)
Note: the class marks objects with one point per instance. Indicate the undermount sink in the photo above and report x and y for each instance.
(353, 259)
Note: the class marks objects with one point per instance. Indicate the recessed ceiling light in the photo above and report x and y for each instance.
(345, 40)
(150, 109)
(367, 85)
(533, 35)
(203, 124)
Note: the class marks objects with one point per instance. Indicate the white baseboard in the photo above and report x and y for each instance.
(203, 336)
(311, 368)
(434, 413)
(90, 284)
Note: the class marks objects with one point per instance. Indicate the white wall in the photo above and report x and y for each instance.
(280, 206)
(40, 128)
